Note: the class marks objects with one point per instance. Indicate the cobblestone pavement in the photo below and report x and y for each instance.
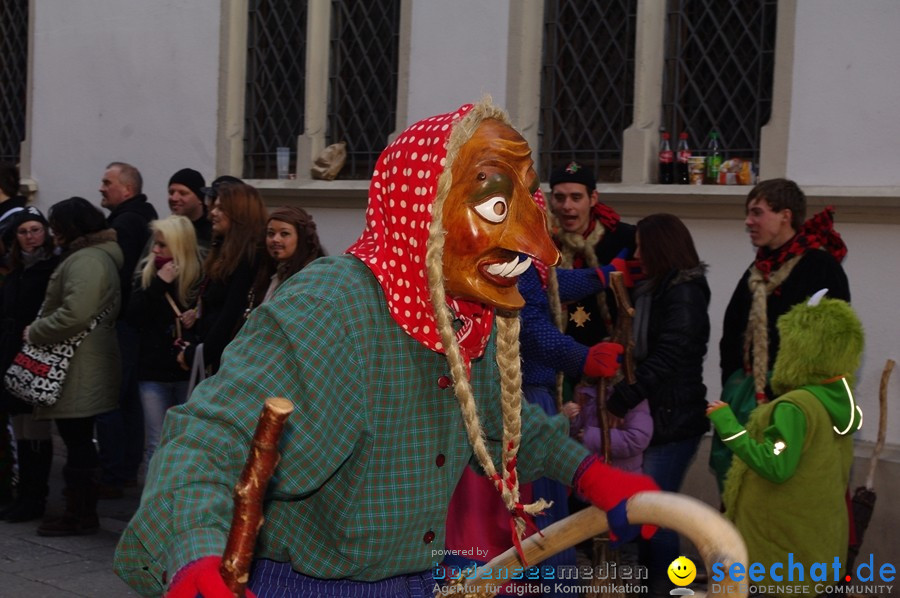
(35, 567)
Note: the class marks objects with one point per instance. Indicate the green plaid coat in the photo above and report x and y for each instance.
(370, 456)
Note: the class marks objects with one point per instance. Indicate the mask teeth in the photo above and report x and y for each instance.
(518, 270)
(500, 269)
(510, 266)
(513, 267)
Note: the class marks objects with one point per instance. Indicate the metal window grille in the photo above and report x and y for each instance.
(363, 80)
(718, 72)
(276, 83)
(13, 76)
(587, 84)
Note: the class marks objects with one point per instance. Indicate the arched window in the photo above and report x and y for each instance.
(361, 99)
(13, 76)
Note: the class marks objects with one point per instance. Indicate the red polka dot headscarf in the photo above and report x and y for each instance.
(402, 245)
(402, 195)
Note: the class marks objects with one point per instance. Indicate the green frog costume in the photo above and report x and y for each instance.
(786, 488)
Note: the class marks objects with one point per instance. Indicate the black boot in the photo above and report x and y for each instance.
(80, 517)
(35, 458)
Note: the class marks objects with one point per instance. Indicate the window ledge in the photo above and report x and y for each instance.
(852, 204)
(878, 205)
(313, 194)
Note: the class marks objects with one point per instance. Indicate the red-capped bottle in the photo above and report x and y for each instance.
(666, 160)
(682, 160)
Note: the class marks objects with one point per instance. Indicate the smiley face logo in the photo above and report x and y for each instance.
(682, 571)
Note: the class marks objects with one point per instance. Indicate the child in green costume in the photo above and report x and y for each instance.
(786, 488)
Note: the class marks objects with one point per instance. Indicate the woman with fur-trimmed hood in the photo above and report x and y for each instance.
(84, 286)
(786, 487)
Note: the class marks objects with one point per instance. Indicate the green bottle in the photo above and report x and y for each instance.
(713, 159)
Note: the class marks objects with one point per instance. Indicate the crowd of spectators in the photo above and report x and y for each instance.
(160, 296)
(164, 296)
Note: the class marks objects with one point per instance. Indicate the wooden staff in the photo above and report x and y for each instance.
(716, 539)
(624, 335)
(249, 493)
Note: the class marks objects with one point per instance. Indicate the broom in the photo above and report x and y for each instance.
(863, 502)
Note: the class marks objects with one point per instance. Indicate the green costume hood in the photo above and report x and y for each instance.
(819, 343)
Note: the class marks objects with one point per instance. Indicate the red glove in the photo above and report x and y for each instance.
(632, 270)
(202, 578)
(609, 489)
(603, 360)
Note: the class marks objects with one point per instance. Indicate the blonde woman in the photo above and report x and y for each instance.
(166, 286)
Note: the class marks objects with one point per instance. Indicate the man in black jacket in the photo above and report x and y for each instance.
(795, 257)
(120, 433)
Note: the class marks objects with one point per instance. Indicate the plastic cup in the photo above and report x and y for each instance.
(283, 161)
(696, 169)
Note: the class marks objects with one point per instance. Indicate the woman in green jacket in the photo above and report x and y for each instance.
(83, 287)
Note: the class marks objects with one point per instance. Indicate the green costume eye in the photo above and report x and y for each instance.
(779, 447)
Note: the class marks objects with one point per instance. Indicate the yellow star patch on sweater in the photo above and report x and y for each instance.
(579, 316)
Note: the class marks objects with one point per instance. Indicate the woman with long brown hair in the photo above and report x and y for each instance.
(292, 243)
(238, 217)
(671, 332)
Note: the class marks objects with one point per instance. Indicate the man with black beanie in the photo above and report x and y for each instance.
(186, 199)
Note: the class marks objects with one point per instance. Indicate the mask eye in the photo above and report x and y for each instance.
(493, 209)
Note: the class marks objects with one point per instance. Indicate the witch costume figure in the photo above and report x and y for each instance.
(402, 360)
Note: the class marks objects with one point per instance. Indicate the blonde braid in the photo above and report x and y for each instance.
(510, 366)
(507, 354)
(756, 336)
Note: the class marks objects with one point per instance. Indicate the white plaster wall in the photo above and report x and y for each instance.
(338, 228)
(126, 80)
(845, 125)
(874, 286)
(458, 53)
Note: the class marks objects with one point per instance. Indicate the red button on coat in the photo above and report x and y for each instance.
(440, 460)
(444, 381)
(428, 538)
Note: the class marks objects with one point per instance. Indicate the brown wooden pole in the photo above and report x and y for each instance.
(249, 493)
(624, 335)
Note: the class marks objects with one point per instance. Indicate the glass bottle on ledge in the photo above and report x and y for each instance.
(713, 159)
(666, 160)
(682, 160)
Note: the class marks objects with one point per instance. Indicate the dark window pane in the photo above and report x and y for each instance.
(362, 94)
(13, 76)
(718, 72)
(276, 83)
(587, 84)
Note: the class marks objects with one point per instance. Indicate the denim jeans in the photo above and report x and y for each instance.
(667, 464)
(156, 398)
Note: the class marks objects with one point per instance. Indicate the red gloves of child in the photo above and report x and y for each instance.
(603, 360)
(202, 578)
(609, 489)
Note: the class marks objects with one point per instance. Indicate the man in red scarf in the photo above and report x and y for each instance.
(589, 234)
(795, 257)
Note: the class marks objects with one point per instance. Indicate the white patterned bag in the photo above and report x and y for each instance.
(38, 372)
